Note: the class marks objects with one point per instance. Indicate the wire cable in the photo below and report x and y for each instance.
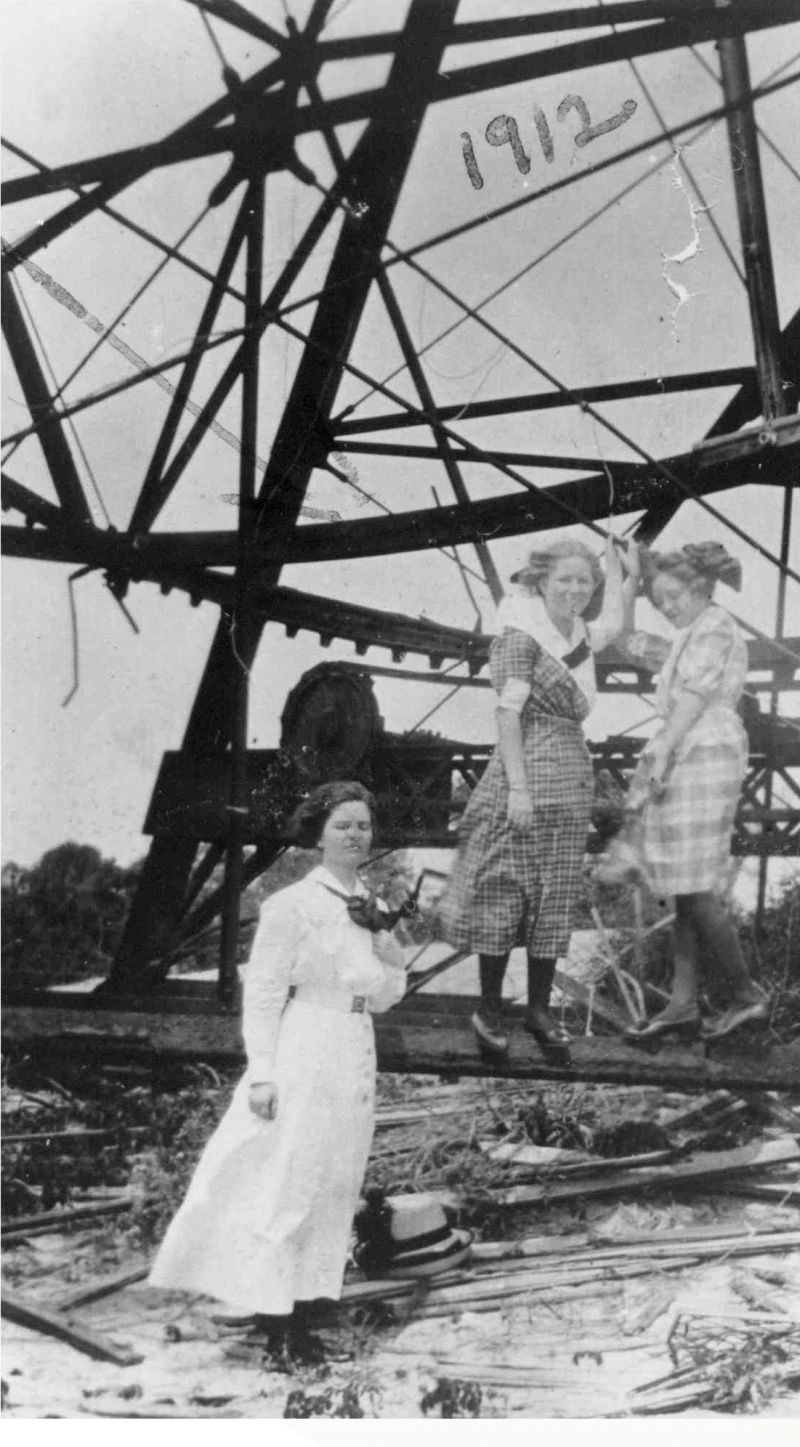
(523, 271)
(126, 310)
(678, 151)
(709, 69)
(217, 48)
(589, 410)
(486, 457)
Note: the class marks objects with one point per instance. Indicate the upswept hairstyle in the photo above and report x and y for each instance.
(697, 565)
(310, 817)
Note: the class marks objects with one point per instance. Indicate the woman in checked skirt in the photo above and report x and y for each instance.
(522, 840)
(685, 790)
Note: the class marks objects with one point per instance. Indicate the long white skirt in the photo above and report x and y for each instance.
(268, 1215)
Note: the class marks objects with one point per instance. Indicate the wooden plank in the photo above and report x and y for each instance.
(96, 1290)
(184, 1412)
(776, 1191)
(703, 1166)
(430, 1038)
(53, 1136)
(65, 1217)
(75, 1334)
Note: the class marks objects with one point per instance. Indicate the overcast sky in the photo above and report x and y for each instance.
(93, 76)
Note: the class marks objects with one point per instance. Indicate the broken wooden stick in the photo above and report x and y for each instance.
(45, 1221)
(51, 1323)
(96, 1290)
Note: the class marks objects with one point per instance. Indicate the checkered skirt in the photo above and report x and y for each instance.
(508, 886)
(684, 838)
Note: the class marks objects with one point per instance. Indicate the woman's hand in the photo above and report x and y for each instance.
(659, 762)
(612, 556)
(520, 809)
(631, 560)
(263, 1099)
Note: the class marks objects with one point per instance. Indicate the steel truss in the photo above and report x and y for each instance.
(257, 123)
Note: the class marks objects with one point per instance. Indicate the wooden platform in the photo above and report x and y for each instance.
(426, 1034)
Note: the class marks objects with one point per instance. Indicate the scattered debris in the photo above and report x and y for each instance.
(453, 1399)
(725, 1364)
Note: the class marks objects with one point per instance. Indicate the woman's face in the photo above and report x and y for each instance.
(568, 588)
(680, 603)
(347, 836)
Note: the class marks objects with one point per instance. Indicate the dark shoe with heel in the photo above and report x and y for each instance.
(669, 1025)
(553, 1037)
(491, 1030)
(745, 1013)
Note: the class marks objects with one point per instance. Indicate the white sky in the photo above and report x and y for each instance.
(93, 76)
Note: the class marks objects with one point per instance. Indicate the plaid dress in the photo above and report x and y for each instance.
(684, 838)
(509, 886)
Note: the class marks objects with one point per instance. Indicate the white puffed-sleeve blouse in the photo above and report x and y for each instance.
(305, 937)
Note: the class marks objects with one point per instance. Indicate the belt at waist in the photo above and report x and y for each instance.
(329, 999)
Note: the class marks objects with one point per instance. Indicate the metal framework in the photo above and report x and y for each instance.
(257, 124)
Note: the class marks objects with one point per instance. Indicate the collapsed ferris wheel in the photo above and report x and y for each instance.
(336, 121)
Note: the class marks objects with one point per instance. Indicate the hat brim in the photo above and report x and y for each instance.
(434, 1260)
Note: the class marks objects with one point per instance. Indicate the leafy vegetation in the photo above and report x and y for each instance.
(63, 917)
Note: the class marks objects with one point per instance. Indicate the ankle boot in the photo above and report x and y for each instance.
(487, 1022)
(538, 1020)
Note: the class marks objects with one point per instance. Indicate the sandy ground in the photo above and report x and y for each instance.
(574, 1359)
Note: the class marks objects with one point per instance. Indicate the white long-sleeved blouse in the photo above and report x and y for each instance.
(305, 937)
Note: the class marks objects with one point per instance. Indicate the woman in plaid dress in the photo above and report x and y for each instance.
(522, 840)
(685, 790)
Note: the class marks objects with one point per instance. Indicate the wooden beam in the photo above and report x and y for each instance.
(434, 1038)
(702, 1166)
(97, 1290)
(39, 1318)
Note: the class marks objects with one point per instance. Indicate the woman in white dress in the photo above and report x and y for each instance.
(266, 1222)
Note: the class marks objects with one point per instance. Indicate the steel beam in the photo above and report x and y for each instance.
(347, 425)
(752, 210)
(154, 491)
(17, 497)
(750, 15)
(54, 444)
(449, 450)
(242, 19)
(742, 408)
(182, 560)
(123, 169)
(511, 27)
(691, 28)
(241, 621)
(376, 170)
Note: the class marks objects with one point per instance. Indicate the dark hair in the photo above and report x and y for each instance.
(310, 817)
(697, 565)
(675, 565)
